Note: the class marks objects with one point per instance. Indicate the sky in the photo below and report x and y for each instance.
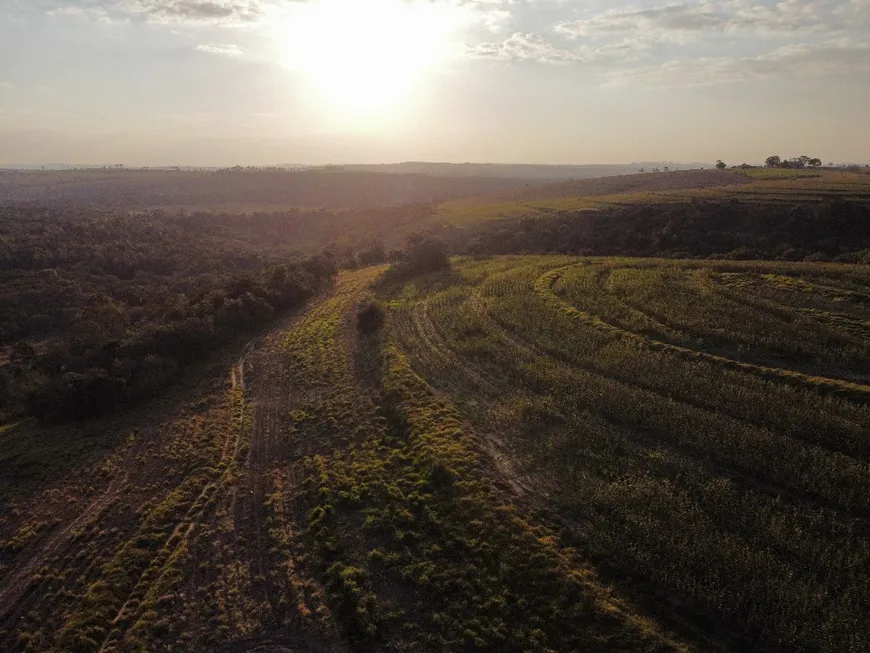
(268, 82)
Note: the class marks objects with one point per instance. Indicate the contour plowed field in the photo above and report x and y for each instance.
(703, 425)
(533, 454)
(325, 500)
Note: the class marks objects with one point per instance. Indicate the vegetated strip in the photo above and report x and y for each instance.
(116, 608)
(415, 543)
(834, 387)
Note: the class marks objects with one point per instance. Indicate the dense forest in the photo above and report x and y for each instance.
(101, 310)
(831, 230)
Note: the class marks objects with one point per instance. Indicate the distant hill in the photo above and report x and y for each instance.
(615, 185)
(241, 190)
(523, 171)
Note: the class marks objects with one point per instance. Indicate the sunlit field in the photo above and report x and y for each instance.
(701, 427)
(779, 187)
(434, 326)
(522, 451)
(285, 418)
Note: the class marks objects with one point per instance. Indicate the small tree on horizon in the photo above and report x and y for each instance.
(720, 164)
(773, 161)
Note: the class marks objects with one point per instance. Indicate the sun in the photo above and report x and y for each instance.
(365, 57)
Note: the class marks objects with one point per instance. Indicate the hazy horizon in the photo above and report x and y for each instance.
(264, 82)
(300, 164)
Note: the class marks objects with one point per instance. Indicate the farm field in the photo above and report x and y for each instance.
(434, 326)
(699, 427)
(761, 186)
(533, 453)
(322, 498)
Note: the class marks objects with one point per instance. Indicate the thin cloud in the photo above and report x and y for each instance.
(523, 47)
(225, 49)
(159, 11)
(534, 47)
(492, 14)
(787, 16)
(830, 58)
(204, 10)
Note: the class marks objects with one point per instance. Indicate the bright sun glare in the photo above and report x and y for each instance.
(365, 57)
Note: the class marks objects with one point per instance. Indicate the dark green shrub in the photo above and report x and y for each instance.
(369, 317)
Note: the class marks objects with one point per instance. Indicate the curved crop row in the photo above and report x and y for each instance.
(726, 490)
(835, 387)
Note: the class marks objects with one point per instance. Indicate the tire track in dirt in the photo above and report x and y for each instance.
(249, 501)
(79, 549)
(18, 582)
(128, 612)
(264, 522)
(266, 643)
(251, 506)
(493, 447)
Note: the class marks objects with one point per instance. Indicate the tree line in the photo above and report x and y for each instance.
(836, 230)
(802, 161)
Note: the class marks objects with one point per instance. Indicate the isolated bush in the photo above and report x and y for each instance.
(372, 255)
(426, 254)
(423, 254)
(369, 317)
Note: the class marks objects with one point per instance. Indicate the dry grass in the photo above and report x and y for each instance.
(756, 186)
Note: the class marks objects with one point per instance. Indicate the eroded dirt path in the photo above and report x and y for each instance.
(16, 583)
(170, 541)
